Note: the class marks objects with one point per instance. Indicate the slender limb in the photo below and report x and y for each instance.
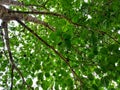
(102, 32)
(4, 25)
(51, 47)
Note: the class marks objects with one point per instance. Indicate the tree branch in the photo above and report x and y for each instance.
(5, 15)
(4, 25)
(46, 13)
(51, 47)
(64, 17)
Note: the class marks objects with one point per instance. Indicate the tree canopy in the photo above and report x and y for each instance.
(60, 44)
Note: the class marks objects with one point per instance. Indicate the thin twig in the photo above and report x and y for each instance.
(102, 32)
(24, 82)
(12, 75)
(105, 33)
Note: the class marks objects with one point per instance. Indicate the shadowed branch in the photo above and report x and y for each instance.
(47, 13)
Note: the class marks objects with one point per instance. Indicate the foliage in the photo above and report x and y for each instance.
(83, 53)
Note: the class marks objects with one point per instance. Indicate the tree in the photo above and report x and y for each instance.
(67, 44)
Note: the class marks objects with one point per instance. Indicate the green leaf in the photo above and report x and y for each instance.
(103, 51)
(47, 74)
(45, 84)
(40, 76)
(29, 81)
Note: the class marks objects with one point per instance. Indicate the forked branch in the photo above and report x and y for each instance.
(13, 66)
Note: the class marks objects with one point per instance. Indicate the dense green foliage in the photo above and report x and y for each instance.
(89, 40)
